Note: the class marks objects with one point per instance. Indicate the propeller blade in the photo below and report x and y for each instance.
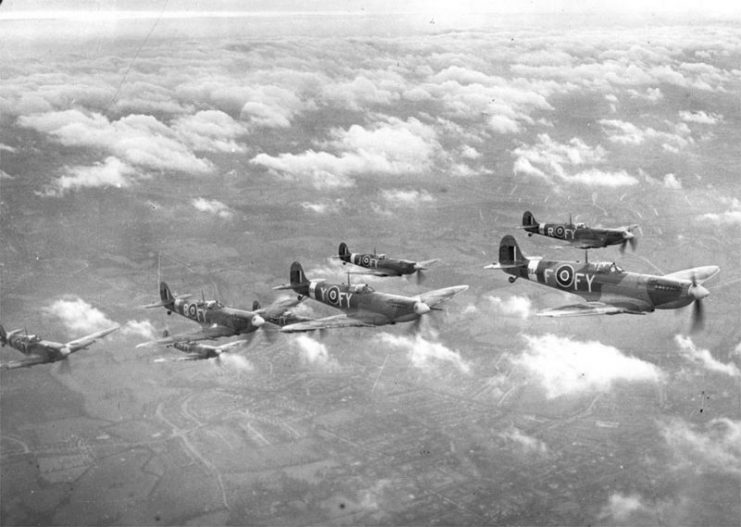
(65, 367)
(420, 277)
(698, 317)
(622, 246)
(633, 243)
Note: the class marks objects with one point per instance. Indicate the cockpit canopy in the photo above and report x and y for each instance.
(212, 304)
(360, 288)
(580, 225)
(606, 267)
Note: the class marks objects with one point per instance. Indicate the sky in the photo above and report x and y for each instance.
(213, 152)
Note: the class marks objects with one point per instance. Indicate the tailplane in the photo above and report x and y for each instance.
(166, 298)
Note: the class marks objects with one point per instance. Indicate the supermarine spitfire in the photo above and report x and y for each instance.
(607, 289)
(382, 265)
(363, 305)
(216, 319)
(38, 351)
(198, 351)
(579, 235)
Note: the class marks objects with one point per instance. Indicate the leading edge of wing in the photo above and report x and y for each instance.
(433, 298)
(593, 308)
(85, 341)
(335, 321)
(212, 332)
(23, 363)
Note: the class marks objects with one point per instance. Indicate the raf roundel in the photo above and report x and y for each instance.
(559, 231)
(565, 276)
(333, 295)
(366, 259)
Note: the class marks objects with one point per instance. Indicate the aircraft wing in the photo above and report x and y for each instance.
(335, 321)
(438, 296)
(84, 342)
(424, 264)
(23, 363)
(595, 308)
(279, 307)
(700, 274)
(211, 332)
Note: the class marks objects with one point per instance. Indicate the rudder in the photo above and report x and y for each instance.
(344, 252)
(510, 253)
(299, 283)
(528, 220)
(166, 294)
(3, 336)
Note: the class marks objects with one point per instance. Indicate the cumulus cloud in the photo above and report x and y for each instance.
(110, 173)
(573, 162)
(671, 182)
(426, 354)
(412, 198)
(140, 328)
(700, 117)
(314, 352)
(138, 139)
(527, 443)
(515, 306)
(565, 366)
(729, 217)
(389, 147)
(78, 316)
(210, 130)
(703, 357)
(626, 133)
(712, 447)
(622, 506)
(213, 206)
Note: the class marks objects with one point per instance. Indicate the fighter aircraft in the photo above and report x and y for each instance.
(198, 351)
(382, 265)
(279, 312)
(216, 319)
(580, 235)
(363, 305)
(607, 289)
(38, 351)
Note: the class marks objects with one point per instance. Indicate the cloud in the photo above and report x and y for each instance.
(314, 352)
(141, 328)
(79, 316)
(700, 117)
(210, 130)
(110, 173)
(425, 354)
(516, 306)
(729, 217)
(573, 162)
(5, 175)
(704, 358)
(527, 443)
(412, 198)
(138, 139)
(712, 447)
(622, 506)
(671, 182)
(212, 206)
(565, 366)
(388, 147)
(623, 132)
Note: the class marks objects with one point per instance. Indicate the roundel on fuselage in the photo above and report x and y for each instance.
(366, 259)
(192, 310)
(559, 231)
(565, 276)
(333, 295)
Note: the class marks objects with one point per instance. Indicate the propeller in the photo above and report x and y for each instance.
(64, 366)
(628, 237)
(420, 277)
(698, 292)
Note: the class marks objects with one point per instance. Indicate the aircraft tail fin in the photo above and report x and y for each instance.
(344, 252)
(256, 305)
(511, 259)
(3, 336)
(528, 220)
(166, 298)
(298, 283)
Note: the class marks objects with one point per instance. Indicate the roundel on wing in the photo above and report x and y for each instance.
(333, 295)
(565, 276)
